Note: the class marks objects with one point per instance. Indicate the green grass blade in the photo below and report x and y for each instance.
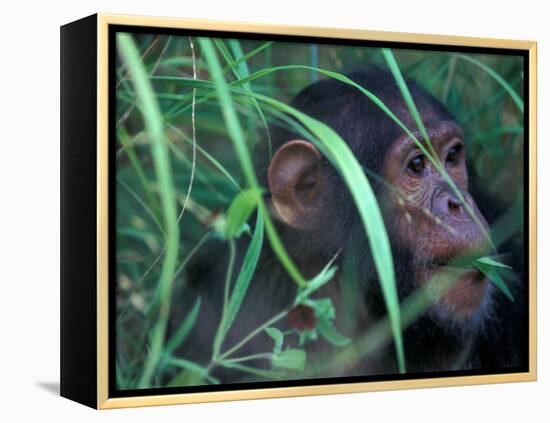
(242, 283)
(330, 333)
(317, 282)
(394, 68)
(277, 337)
(515, 97)
(335, 75)
(243, 71)
(208, 156)
(245, 57)
(239, 211)
(174, 111)
(163, 172)
(122, 135)
(241, 67)
(237, 137)
(339, 154)
(490, 262)
(337, 151)
(143, 204)
(313, 61)
(181, 333)
(495, 278)
(220, 45)
(191, 253)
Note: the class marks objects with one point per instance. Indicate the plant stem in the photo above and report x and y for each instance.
(161, 159)
(255, 332)
(247, 338)
(241, 149)
(249, 357)
(227, 286)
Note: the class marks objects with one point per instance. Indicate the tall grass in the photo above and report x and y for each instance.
(233, 102)
(163, 170)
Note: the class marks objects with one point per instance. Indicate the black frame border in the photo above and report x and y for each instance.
(113, 392)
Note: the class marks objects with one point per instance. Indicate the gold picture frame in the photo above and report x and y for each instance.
(73, 332)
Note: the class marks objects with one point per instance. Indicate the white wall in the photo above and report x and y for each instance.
(29, 178)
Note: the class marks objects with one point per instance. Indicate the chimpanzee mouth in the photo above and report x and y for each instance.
(437, 263)
(463, 287)
(464, 262)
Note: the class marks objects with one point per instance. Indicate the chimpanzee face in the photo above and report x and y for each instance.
(429, 218)
(433, 222)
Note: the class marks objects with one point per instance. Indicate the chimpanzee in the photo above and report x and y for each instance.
(472, 326)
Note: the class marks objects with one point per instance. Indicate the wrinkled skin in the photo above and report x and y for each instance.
(429, 218)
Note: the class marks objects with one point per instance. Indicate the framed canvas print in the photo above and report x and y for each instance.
(253, 211)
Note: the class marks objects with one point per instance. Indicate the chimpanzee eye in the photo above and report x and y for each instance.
(454, 154)
(417, 164)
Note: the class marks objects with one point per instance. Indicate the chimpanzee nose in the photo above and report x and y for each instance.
(446, 204)
(454, 205)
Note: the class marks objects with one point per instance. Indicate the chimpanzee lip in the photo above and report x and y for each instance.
(466, 293)
(457, 262)
(447, 262)
(462, 266)
(437, 263)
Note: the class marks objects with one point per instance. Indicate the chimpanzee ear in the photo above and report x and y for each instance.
(297, 183)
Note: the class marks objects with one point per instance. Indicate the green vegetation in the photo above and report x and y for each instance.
(189, 113)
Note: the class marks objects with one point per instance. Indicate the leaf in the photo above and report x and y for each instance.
(154, 126)
(178, 61)
(325, 313)
(324, 309)
(490, 262)
(515, 97)
(237, 137)
(494, 277)
(291, 358)
(242, 283)
(241, 59)
(330, 333)
(243, 72)
(310, 335)
(394, 67)
(242, 66)
(342, 158)
(277, 336)
(239, 212)
(317, 282)
(181, 334)
(432, 157)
